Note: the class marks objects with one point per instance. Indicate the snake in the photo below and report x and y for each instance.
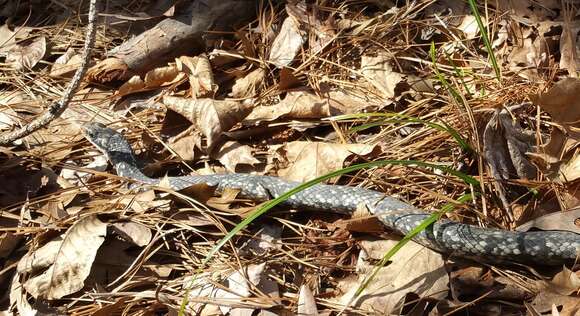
(456, 239)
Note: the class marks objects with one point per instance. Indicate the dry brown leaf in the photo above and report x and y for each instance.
(565, 282)
(427, 278)
(155, 78)
(184, 147)
(526, 58)
(210, 117)
(200, 74)
(141, 202)
(133, 85)
(362, 221)
(302, 161)
(306, 302)
(7, 39)
(18, 298)
(26, 55)
(321, 33)
(506, 144)
(8, 242)
(233, 153)
(69, 259)
(307, 105)
(248, 86)
(237, 284)
(555, 221)
(562, 102)
(469, 26)
(107, 70)
(378, 72)
(162, 76)
(66, 64)
(568, 49)
(287, 43)
(136, 233)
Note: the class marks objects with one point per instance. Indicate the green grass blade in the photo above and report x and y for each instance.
(401, 118)
(486, 41)
(441, 78)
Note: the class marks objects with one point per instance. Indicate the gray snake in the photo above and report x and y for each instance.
(445, 236)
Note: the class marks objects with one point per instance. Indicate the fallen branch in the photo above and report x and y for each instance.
(56, 109)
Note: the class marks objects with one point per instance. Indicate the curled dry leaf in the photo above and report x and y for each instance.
(307, 105)
(68, 258)
(302, 161)
(154, 78)
(184, 147)
(136, 233)
(210, 117)
(306, 302)
(562, 101)
(469, 26)
(379, 73)
(198, 69)
(65, 64)
(233, 153)
(107, 70)
(427, 278)
(568, 46)
(287, 43)
(239, 287)
(321, 33)
(26, 55)
(18, 298)
(248, 86)
(506, 144)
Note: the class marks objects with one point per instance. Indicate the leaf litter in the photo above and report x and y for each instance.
(75, 238)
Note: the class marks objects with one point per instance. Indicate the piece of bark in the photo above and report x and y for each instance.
(171, 38)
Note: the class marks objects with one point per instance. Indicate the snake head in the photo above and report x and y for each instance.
(99, 135)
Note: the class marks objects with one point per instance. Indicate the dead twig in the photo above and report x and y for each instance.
(56, 109)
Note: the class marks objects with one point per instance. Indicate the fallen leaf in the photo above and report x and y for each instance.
(306, 302)
(200, 74)
(238, 285)
(321, 33)
(26, 55)
(136, 233)
(505, 147)
(427, 278)
(233, 153)
(210, 117)
(565, 221)
(568, 46)
(565, 282)
(107, 70)
(18, 298)
(528, 56)
(184, 147)
(307, 105)
(287, 43)
(153, 79)
(506, 144)
(469, 26)
(68, 258)
(561, 102)
(377, 71)
(302, 161)
(66, 64)
(247, 86)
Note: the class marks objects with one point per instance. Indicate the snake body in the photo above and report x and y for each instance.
(445, 236)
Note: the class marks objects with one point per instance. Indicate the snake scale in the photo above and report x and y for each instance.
(445, 236)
